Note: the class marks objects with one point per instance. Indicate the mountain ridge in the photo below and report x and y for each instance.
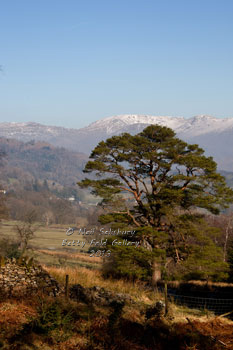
(214, 135)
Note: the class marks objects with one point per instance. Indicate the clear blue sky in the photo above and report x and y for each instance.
(67, 62)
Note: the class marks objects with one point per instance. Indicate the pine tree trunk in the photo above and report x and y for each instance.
(156, 273)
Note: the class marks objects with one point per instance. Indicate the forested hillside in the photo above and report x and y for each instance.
(40, 160)
(42, 178)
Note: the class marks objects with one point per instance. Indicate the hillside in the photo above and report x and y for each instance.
(40, 160)
(41, 178)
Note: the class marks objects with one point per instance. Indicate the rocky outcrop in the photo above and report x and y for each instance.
(21, 278)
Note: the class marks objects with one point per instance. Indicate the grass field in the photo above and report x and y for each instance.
(46, 246)
(45, 237)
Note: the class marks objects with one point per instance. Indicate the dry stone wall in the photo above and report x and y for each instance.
(20, 278)
(98, 295)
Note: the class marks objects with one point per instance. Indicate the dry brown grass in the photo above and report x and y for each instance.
(218, 330)
(78, 256)
(13, 315)
(176, 284)
(180, 314)
(90, 278)
(90, 330)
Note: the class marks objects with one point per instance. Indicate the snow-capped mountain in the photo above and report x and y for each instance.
(215, 135)
(113, 125)
(197, 125)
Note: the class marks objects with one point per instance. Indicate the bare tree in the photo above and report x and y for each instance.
(225, 223)
(25, 230)
(228, 231)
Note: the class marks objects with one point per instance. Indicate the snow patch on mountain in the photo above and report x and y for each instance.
(194, 126)
(114, 124)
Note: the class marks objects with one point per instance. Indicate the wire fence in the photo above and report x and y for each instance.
(218, 306)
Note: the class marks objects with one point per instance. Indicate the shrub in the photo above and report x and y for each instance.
(53, 314)
(9, 249)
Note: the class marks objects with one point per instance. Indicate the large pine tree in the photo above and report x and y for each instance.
(161, 186)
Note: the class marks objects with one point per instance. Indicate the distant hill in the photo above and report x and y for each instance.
(228, 176)
(42, 179)
(214, 135)
(40, 160)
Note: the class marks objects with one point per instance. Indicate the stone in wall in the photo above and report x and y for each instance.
(19, 278)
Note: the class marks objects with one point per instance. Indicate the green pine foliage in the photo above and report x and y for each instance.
(128, 262)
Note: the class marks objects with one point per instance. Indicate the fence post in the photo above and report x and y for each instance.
(165, 297)
(67, 286)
